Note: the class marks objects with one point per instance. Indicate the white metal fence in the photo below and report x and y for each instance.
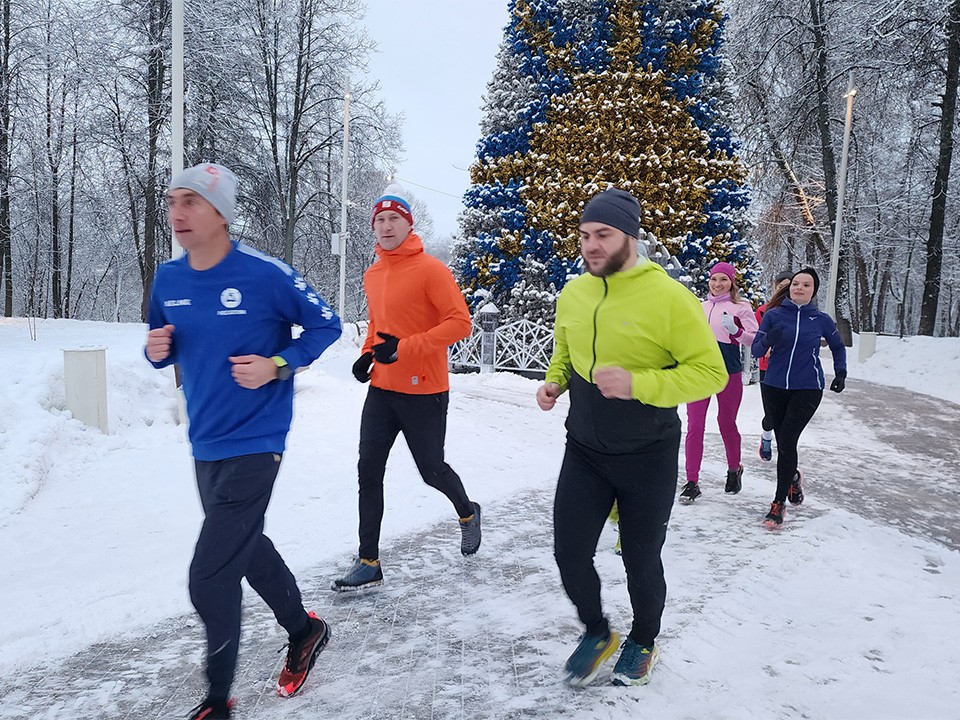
(519, 346)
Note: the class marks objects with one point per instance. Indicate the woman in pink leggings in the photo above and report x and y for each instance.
(734, 324)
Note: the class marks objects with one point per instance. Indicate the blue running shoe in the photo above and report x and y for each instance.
(635, 663)
(766, 448)
(363, 574)
(592, 652)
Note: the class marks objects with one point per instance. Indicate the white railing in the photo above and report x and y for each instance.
(518, 346)
(523, 345)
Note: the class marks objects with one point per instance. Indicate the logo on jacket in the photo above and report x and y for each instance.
(231, 299)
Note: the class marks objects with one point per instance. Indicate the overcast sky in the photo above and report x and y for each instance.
(434, 61)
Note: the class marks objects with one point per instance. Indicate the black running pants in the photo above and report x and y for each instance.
(423, 421)
(234, 494)
(788, 412)
(643, 484)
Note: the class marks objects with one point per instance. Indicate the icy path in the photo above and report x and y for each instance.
(903, 466)
(749, 631)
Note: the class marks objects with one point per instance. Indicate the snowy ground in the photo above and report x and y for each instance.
(846, 613)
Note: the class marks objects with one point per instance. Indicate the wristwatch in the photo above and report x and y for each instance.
(284, 371)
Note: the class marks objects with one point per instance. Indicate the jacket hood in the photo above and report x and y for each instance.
(411, 245)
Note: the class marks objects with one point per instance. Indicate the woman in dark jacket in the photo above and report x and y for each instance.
(793, 384)
(766, 438)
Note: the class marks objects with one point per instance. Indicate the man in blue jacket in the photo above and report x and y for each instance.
(224, 312)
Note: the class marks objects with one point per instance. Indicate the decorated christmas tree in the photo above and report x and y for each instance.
(604, 92)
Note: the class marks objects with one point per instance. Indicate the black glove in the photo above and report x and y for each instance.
(839, 381)
(386, 352)
(361, 368)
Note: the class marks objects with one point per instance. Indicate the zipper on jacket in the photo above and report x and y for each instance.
(596, 311)
(793, 350)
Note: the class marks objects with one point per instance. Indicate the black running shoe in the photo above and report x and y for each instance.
(774, 518)
(301, 656)
(733, 481)
(795, 491)
(690, 492)
(211, 709)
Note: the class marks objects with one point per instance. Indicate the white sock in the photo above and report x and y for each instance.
(767, 435)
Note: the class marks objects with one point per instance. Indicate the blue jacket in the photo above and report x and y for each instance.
(244, 305)
(796, 331)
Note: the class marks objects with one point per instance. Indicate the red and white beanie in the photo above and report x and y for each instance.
(393, 199)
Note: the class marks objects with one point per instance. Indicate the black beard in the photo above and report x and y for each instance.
(616, 261)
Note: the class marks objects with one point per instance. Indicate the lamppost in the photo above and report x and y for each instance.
(343, 200)
(176, 112)
(831, 308)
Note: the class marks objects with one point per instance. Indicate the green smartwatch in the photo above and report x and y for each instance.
(284, 371)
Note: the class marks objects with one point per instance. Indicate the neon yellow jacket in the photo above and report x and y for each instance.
(642, 320)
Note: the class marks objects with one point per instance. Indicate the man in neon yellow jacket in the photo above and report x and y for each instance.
(630, 344)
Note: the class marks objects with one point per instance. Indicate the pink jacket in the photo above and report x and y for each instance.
(714, 308)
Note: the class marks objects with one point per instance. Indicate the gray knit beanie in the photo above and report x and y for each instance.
(214, 183)
(616, 208)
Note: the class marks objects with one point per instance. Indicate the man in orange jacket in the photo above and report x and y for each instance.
(416, 312)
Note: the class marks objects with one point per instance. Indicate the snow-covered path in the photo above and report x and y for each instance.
(758, 624)
(846, 613)
(888, 455)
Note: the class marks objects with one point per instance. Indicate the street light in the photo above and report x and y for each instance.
(831, 308)
(176, 112)
(343, 199)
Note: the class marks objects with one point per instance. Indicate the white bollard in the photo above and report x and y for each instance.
(85, 382)
(868, 346)
(489, 319)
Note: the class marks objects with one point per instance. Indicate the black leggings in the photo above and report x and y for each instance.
(643, 484)
(423, 421)
(787, 412)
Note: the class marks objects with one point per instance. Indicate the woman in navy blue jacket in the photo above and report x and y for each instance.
(793, 384)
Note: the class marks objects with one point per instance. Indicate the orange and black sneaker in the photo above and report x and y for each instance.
(212, 709)
(301, 655)
(774, 518)
(795, 491)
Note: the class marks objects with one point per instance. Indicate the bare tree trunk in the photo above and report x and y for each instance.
(931, 280)
(804, 204)
(829, 162)
(53, 117)
(905, 290)
(129, 185)
(156, 114)
(819, 25)
(863, 318)
(268, 37)
(71, 228)
(883, 293)
(6, 232)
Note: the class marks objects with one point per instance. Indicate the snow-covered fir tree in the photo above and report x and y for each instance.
(628, 94)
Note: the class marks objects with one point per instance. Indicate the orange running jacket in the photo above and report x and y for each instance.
(413, 296)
